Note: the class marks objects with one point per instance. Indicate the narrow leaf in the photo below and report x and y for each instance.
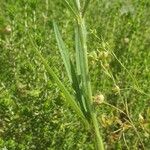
(71, 8)
(70, 68)
(63, 50)
(66, 93)
(83, 62)
(85, 7)
(78, 91)
(78, 49)
(79, 64)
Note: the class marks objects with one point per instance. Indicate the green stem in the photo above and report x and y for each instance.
(86, 84)
(84, 65)
(99, 141)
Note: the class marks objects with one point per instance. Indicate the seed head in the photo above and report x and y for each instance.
(103, 55)
(8, 29)
(126, 40)
(99, 99)
(116, 89)
(141, 119)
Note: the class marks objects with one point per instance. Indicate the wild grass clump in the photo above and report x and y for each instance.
(101, 71)
(78, 73)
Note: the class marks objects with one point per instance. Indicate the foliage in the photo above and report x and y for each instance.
(32, 112)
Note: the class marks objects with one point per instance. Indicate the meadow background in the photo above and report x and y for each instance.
(33, 114)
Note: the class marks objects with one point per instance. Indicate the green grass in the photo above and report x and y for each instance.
(38, 106)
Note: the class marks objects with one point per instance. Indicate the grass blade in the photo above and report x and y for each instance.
(69, 99)
(85, 79)
(63, 50)
(78, 49)
(78, 91)
(69, 68)
(79, 63)
(85, 7)
(83, 62)
(71, 8)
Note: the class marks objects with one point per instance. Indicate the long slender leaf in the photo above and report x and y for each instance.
(79, 63)
(86, 87)
(78, 90)
(78, 49)
(63, 50)
(70, 100)
(85, 7)
(71, 8)
(70, 69)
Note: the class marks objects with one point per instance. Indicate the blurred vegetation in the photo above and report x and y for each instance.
(32, 113)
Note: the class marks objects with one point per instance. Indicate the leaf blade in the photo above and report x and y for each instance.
(66, 93)
(63, 51)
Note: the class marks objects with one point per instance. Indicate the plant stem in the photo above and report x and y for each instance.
(86, 84)
(84, 64)
(99, 141)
